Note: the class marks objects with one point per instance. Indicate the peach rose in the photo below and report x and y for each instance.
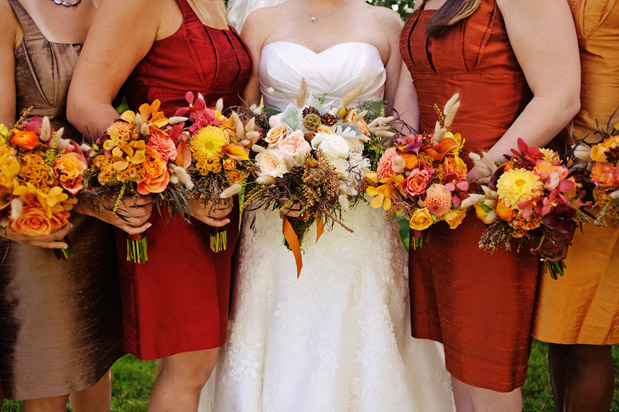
(454, 164)
(165, 146)
(273, 163)
(275, 135)
(421, 219)
(157, 175)
(294, 144)
(604, 175)
(25, 139)
(70, 168)
(33, 221)
(454, 217)
(416, 183)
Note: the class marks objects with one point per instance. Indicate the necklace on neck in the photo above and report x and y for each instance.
(67, 3)
(313, 18)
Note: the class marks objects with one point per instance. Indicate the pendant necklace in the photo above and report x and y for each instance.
(67, 3)
(314, 19)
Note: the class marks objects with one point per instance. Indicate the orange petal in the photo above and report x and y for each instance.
(236, 152)
(439, 151)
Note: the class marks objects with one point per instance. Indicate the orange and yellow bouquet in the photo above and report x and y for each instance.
(599, 164)
(219, 161)
(41, 174)
(531, 196)
(139, 155)
(423, 179)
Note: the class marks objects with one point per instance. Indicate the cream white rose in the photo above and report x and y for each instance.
(332, 145)
(273, 163)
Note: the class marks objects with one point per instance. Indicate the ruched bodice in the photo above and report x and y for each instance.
(331, 73)
(36, 83)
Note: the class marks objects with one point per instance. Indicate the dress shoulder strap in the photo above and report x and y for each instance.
(29, 27)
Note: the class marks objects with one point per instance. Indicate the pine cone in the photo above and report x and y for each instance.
(328, 119)
(311, 121)
(310, 110)
(296, 174)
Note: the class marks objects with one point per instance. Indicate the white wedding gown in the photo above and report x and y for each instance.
(338, 337)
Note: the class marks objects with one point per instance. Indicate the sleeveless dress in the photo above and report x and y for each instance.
(178, 300)
(582, 307)
(60, 320)
(478, 304)
(337, 338)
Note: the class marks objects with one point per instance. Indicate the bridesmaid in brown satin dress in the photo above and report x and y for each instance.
(59, 319)
(515, 63)
(578, 314)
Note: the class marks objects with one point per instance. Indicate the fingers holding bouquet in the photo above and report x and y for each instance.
(55, 240)
(129, 213)
(212, 213)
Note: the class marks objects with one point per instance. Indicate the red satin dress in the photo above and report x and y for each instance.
(178, 300)
(478, 304)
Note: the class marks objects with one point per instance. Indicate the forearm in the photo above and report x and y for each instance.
(92, 119)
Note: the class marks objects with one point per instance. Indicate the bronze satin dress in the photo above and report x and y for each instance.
(60, 320)
(478, 304)
(582, 307)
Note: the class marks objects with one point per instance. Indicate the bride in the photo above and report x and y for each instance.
(338, 337)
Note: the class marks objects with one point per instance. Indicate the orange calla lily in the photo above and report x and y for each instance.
(236, 152)
(438, 152)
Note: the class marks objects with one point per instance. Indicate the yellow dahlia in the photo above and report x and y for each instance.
(208, 143)
(517, 185)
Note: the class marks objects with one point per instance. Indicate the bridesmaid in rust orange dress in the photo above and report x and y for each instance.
(578, 314)
(515, 64)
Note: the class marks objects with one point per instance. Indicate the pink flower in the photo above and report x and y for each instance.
(386, 163)
(162, 144)
(416, 183)
(294, 144)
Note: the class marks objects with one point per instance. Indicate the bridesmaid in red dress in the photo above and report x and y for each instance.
(175, 305)
(515, 64)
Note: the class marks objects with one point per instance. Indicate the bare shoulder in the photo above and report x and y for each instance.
(258, 27)
(384, 16)
(8, 22)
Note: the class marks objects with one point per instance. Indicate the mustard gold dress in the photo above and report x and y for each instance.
(582, 307)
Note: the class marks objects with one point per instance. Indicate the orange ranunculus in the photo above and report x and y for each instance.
(604, 175)
(157, 176)
(25, 139)
(439, 151)
(34, 221)
(70, 169)
(276, 134)
(504, 212)
(454, 164)
(411, 160)
(421, 219)
(454, 217)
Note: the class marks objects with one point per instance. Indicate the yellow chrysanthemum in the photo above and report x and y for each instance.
(207, 144)
(517, 185)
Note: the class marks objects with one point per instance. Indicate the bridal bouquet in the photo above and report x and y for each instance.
(530, 196)
(139, 154)
(599, 164)
(422, 178)
(41, 174)
(217, 163)
(312, 161)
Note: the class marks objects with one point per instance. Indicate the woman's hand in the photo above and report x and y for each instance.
(207, 213)
(52, 241)
(132, 214)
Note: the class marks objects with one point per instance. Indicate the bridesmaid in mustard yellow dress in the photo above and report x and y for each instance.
(578, 314)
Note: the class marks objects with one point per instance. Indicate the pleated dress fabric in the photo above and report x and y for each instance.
(478, 304)
(178, 300)
(60, 320)
(582, 307)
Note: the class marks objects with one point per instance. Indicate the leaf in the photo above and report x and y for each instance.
(291, 116)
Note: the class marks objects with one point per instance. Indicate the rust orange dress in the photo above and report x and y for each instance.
(582, 307)
(478, 304)
(178, 300)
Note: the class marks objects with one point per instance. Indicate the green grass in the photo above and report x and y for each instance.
(133, 380)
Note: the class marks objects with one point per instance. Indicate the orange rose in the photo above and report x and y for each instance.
(70, 169)
(25, 139)
(604, 175)
(454, 164)
(454, 217)
(156, 175)
(276, 134)
(33, 221)
(416, 183)
(411, 160)
(504, 212)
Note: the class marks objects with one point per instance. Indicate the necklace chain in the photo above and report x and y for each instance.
(67, 3)
(314, 18)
